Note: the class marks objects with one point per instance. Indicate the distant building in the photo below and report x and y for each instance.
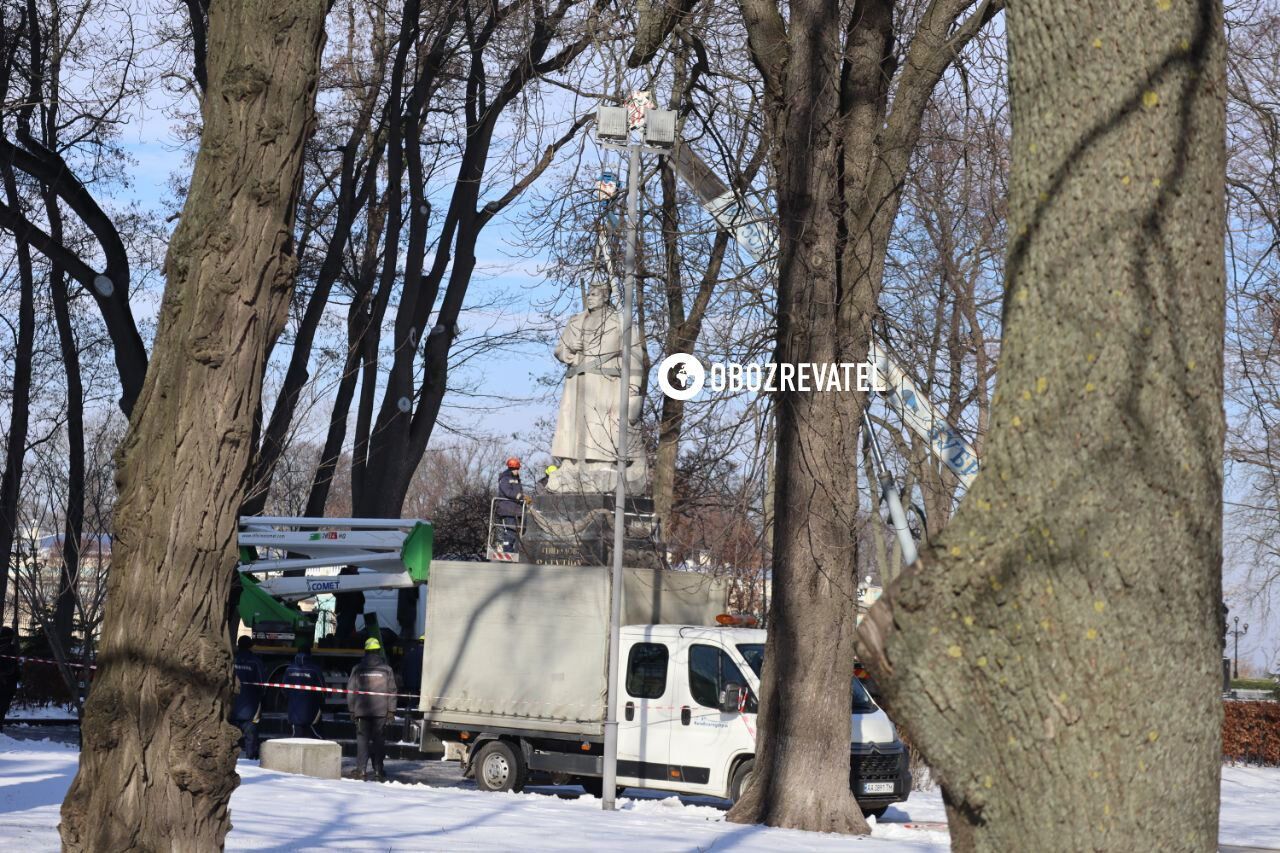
(35, 573)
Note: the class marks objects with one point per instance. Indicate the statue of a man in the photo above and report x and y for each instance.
(586, 437)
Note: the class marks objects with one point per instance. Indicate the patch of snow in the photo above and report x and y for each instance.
(1250, 806)
(18, 713)
(282, 812)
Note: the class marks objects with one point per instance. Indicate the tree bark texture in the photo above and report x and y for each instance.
(158, 763)
(1055, 654)
(801, 775)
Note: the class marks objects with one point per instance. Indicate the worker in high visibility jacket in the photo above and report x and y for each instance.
(371, 712)
(305, 705)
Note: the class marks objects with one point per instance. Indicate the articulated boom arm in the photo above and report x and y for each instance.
(391, 553)
(753, 234)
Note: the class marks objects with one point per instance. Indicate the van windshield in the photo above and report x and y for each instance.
(753, 654)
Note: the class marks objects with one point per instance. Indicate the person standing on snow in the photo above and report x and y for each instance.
(371, 712)
(10, 670)
(247, 708)
(305, 705)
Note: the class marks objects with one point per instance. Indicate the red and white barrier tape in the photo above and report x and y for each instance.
(314, 689)
(25, 658)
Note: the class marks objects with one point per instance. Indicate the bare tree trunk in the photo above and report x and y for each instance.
(73, 528)
(684, 326)
(801, 776)
(840, 156)
(1055, 655)
(15, 453)
(158, 763)
(350, 199)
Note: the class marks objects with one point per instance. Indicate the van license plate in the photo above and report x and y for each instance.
(877, 787)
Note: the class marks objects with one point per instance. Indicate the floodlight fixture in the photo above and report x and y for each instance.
(660, 128)
(611, 124)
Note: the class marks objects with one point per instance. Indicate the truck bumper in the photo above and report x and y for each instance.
(879, 774)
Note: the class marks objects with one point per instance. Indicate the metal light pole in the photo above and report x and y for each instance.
(613, 129)
(1237, 632)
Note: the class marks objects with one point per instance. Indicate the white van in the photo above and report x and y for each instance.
(514, 670)
(687, 717)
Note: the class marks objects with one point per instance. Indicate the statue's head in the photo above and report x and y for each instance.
(597, 297)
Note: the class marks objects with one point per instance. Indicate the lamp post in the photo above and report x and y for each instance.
(1237, 632)
(613, 131)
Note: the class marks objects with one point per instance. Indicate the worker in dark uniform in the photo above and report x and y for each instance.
(411, 670)
(305, 705)
(247, 708)
(371, 713)
(10, 670)
(510, 504)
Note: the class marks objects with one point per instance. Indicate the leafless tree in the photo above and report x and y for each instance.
(1253, 309)
(158, 760)
(1090, 547)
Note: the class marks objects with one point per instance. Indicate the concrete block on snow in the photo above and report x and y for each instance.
(319, 758)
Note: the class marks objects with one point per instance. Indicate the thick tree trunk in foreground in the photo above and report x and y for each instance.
(1056, 654)
(801, 776)
(158, 763)
(840, 155)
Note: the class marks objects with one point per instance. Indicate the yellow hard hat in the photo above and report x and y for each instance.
(373, 644)
(551, 469)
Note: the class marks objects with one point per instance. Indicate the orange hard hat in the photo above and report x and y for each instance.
(513, 462)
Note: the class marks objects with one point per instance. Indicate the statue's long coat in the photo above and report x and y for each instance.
(591, 348)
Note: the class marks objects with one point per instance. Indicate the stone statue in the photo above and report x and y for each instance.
(586, 437)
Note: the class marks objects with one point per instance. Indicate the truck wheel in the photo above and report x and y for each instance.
(741, 779)
(499, 767)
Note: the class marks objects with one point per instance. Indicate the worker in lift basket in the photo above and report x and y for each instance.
(511, 499)
(544, 482)
(371, 712)
(305, 705)
(246, 710)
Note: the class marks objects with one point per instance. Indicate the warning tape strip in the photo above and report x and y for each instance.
(28, 659)
(314, 689)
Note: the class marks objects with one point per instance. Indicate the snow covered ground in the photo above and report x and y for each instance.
(41, 712)
(432, 809)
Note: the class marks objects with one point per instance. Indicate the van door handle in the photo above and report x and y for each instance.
(685, 716)
(630, 711)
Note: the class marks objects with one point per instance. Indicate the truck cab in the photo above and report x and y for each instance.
(687, 717)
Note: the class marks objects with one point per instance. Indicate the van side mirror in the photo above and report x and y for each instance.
(732, 698)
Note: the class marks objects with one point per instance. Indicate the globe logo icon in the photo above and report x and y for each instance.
(681, 376)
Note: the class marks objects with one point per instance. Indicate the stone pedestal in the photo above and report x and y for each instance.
(305, 756)
(577, 530)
